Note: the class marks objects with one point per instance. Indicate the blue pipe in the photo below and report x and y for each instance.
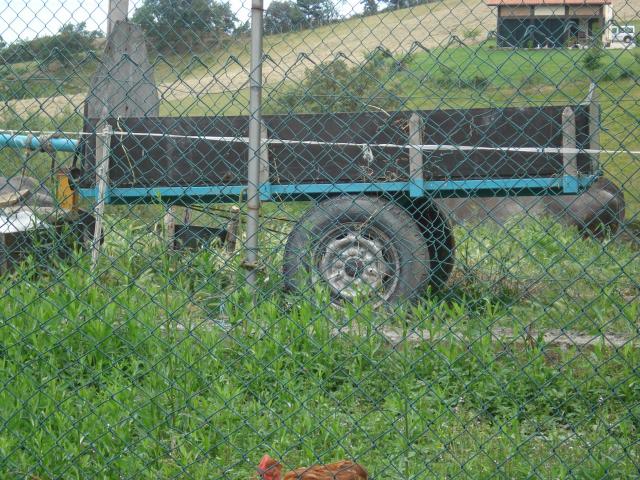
(20, 141)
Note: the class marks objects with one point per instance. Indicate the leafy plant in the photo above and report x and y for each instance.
(339, 86)
(140, 365)
(471, 33)
(593, 58)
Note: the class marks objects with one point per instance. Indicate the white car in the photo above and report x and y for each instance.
(623, 33)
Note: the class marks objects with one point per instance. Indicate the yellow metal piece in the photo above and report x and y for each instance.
(65, 194)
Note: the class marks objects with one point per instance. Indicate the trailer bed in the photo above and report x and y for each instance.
(476, 151)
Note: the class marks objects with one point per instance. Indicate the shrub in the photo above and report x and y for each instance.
(471, 34)
(618, 74)
(337, 86)
(592, 59)
(449, 78)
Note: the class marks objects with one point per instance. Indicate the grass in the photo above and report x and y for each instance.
(160, 366)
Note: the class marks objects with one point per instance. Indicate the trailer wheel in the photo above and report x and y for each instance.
(436, 228)
(358, 246)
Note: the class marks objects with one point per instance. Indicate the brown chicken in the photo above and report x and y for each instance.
(270, 469)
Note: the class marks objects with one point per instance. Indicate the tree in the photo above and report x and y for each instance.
(71, 39)
(283, 16)
(317, 12)
(395, 4)
(370, 6)
(178, 24)
(62, 47)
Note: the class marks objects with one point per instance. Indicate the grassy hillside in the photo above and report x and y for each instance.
(224, 70)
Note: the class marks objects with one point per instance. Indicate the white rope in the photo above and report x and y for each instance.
(423, 147)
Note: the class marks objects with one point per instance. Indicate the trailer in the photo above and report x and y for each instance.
(372, 178)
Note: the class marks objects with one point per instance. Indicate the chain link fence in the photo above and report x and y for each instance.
(397, 233)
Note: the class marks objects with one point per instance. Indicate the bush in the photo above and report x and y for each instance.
(337, 86)
(471, 34)
(448, 78)
(592, 59)
(533, 79)
(614, 74)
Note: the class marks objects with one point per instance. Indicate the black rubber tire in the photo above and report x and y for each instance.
(403, 237)
(627, 39)
(437, 231)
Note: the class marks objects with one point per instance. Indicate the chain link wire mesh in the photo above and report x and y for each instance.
(445, 281)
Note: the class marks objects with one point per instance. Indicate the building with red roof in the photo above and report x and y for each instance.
(551, 23)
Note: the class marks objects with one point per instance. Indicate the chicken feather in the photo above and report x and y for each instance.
(270, 469)
(344, 470)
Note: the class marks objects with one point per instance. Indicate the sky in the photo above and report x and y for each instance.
(26, 19)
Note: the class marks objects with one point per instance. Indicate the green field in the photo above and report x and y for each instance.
(158, 365)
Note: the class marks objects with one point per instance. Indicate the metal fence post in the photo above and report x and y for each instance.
(255, 126)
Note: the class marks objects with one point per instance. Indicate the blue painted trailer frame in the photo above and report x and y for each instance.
(566, 185)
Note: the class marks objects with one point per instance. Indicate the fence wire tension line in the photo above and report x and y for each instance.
(310, 239)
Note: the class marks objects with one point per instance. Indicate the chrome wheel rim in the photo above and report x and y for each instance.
(353, 262)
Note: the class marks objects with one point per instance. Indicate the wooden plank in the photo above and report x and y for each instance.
(264, 156)
(594, 127)
(415, 153)
(506, 336)
(4, 256)
(170, 226)
(502, 336)
(231, 239)
(569, 156)
(102, 182)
